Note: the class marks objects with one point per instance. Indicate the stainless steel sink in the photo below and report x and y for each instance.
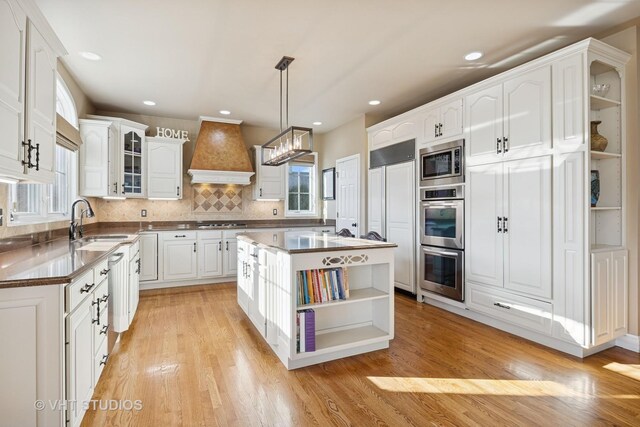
(104, 238)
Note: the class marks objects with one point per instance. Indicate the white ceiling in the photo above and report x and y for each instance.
(195, 57)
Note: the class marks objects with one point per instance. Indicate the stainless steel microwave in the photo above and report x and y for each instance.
(442, 164)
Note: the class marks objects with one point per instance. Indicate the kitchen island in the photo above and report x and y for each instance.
(316, 297)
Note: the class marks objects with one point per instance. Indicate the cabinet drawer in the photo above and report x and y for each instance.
(101, 271)
(179, 235)
(215, 234)
(521, 311)
(78, 290)
(100, 361)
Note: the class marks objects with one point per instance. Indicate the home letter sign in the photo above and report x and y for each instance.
(172, 133)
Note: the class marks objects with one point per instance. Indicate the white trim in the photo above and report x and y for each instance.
(630, 342)
(65, 98)
(218, 119)
(201, 176)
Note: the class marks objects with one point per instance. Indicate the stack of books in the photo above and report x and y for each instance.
(306, 324)
(318, 286)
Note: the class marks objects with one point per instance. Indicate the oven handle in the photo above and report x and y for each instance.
(430, 203)
(438, 252)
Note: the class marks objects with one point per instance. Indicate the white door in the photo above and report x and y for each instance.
(376, 208)
(134, 286)
(230, 257)
(483, 241)
(451, 119)
(79, 363)
(527, 111)
(13, 23)
(430, 123)
(164, 179)
(180, 260)
(210, 258)
(41, 105)
(528, 246)
(348, 194)
(400, 219)
(600, 298)
(148, 257)
(94, 160)
(484, 125)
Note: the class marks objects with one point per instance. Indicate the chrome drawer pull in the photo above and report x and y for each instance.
(497, 304)
(86, 288)
(105, 271)
(104, 359)
(104, 330)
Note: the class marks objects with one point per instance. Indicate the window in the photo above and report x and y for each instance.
(36, 203)
(301, 188)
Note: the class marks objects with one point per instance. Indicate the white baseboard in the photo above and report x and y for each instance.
(630, 342)
(158, 284)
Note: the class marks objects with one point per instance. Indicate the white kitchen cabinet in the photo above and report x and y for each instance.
(94, 158)
(148, 257)
(164, 168)
(180, 259)
(609, 283)
(270, 180)
(13, 28)
(32, 337)
(230, 257)
(209, 257)
(443, 121)
(568, 77)
(80, 358)
(508, 240)
(507, 118)
(400, 130)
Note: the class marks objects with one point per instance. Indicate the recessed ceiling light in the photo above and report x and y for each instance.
(149, 103)
(225, 112)
(374, 102)
(473, 56)
(317, 123)
(90, 56)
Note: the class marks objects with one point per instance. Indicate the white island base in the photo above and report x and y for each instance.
(268, 266)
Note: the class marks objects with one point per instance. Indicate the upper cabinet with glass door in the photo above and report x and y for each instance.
(132, 170)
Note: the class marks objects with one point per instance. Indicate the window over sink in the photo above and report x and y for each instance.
(302, 186)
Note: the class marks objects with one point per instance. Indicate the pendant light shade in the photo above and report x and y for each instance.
(293, 142)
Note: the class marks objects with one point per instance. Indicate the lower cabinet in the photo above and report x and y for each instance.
(148, 257)
(180, 259)
(209, 257)
(609, 284)
(230, 257)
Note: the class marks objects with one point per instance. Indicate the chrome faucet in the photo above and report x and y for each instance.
(76, 230)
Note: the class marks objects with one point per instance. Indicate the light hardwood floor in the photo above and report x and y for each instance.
(193, 358)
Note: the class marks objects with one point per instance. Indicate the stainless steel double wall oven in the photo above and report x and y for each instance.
(441, 252)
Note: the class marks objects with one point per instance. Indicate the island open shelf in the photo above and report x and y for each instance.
(355, 324)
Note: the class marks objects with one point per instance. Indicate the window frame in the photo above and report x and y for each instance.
(313, 190)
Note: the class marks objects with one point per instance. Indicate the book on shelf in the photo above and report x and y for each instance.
(322, 285)
(306, 326)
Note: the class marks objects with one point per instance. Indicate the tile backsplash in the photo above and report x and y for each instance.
(217, 198)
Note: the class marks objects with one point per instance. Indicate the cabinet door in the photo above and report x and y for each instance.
(210, 258)
(602, 330)
(94, 160)
(376, 202)
(41, 105)
(270, 180)
(164, 171)
(483, 242)
(131, 161)
(568, 101)
(528, 244)
(180, 260)
(115, 170)
(451, 119)
(619, 290)
(148, 257)
(430, 122)
(380, 139)
(230, 257)
(527, 111)
(400, 214)
(134, 286)
(79, 363)
(484, 125)
(13, 24)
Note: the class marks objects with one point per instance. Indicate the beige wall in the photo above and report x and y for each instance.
(627, 38)
(181, 210)
(84, 106)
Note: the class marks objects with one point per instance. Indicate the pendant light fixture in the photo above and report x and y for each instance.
(292, 142)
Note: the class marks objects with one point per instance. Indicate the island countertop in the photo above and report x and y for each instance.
(294, 242)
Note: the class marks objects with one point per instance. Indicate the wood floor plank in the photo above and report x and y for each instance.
(194, 359)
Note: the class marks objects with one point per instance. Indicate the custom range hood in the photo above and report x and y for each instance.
(220, 156)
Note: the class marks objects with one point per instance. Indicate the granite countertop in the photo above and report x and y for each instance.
(232, 225)
(294, 242)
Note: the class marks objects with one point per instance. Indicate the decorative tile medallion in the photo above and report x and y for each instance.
(345, 259)
(209, 198)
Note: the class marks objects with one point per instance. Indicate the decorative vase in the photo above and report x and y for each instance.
(598, 142)
(595, 188)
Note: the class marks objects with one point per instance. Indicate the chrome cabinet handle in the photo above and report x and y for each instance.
(499, 224)
(435, 130)
(178, 236)
(220, 246)
(105, 357)
(104, 330)
(506, 221)
(104, 298)
(261, 192)
(227, 246)
(115, 187)
(86, 288)
(38, 156)
(440, 129)
(194, 246)
(506, 144)
(497, 304)
(105, 271)
(177, 191)
(498, 145)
